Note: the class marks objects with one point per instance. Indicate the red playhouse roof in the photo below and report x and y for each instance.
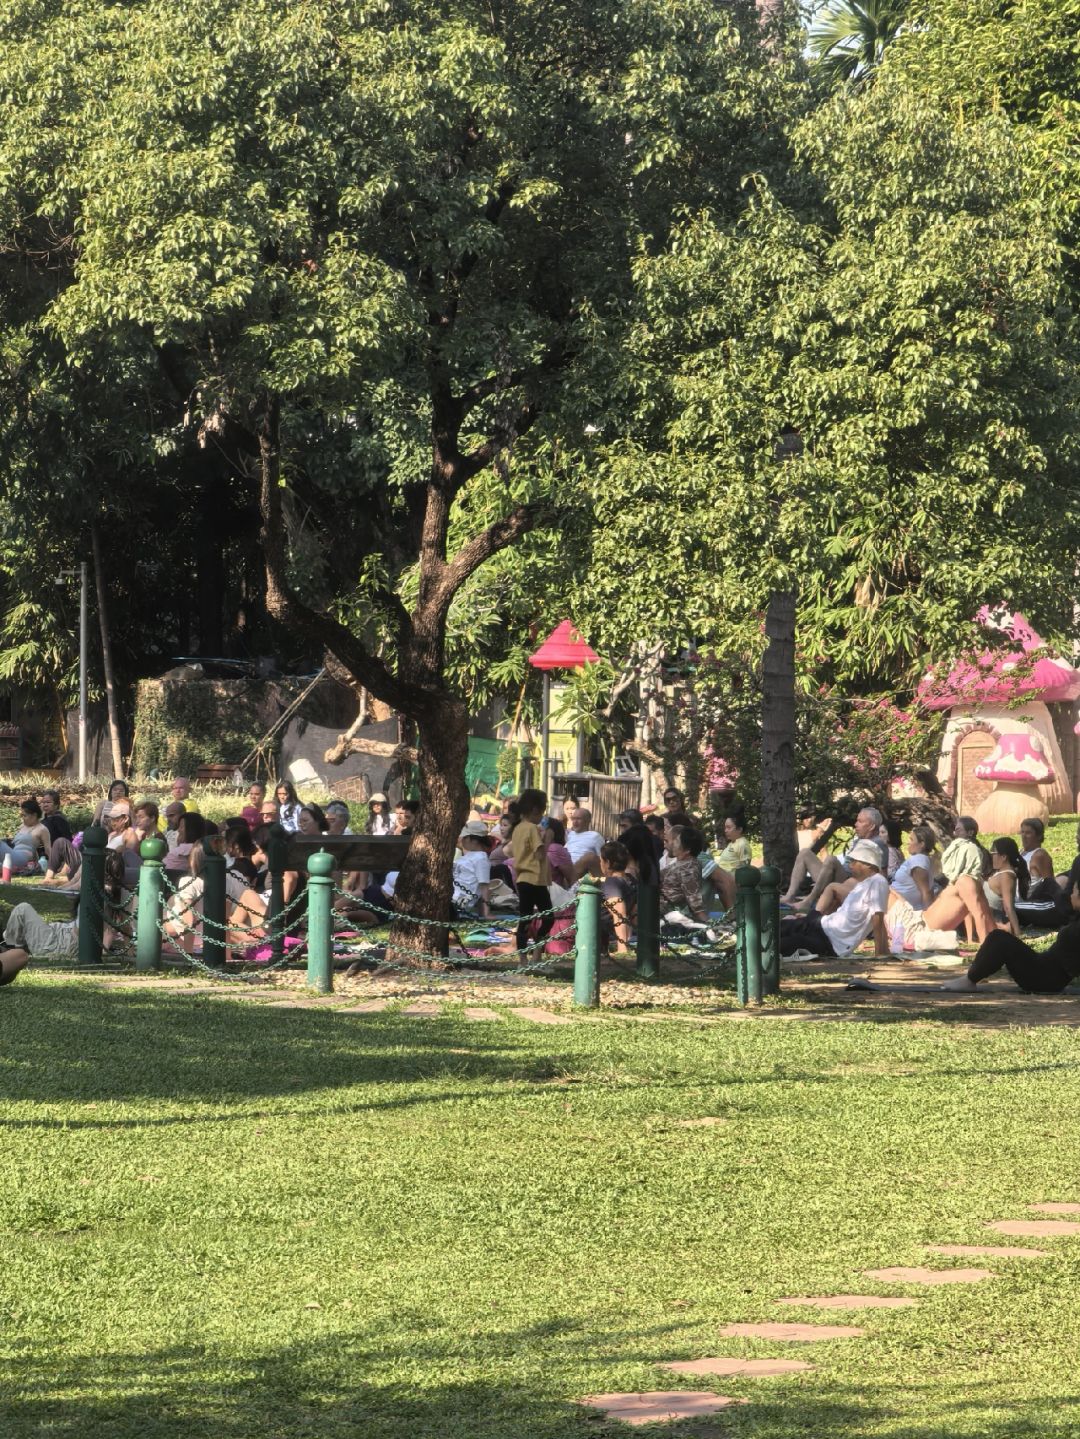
(564, 649)
(986, 683)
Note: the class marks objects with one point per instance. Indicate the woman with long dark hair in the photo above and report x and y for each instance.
(1009, 880)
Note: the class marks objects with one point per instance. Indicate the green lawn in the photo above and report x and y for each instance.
(222, 1220)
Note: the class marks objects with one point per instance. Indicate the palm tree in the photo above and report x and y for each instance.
(849, 37)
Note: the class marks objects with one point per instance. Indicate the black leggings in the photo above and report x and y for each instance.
(1031, 970)
(531, 898)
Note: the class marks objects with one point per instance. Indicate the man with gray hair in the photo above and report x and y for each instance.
(834, 868)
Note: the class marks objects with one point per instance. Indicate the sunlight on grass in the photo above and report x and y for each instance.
(222, 1220)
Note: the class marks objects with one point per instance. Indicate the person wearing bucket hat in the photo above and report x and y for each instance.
(472, 869)
(380, 820)
(862, 912)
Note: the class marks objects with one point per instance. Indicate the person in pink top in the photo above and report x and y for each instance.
(561, 865)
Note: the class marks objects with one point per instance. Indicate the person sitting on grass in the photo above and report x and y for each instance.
(531, 871)
(252, 811)
(27, 936)
(619, 895)
(680, 882)
(584, 843)
(914, 880)
(1046, 971)
(560, 865)
(52, 817)
(472, 870)
(833, 869)
(1009, 881)
(733, 856)
(190, 829)
(634, 833)
(245, 910)
(29, 843)
(861, 912)
(118, 793)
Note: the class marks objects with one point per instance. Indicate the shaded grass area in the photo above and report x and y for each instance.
(221, 1220)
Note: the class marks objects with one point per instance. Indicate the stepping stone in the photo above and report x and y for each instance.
(1037, 1227)
(792, 1333)
(369, 1006)
(660, 1407)
(749, 1367)
(705, 1122)
(853, 1301)
(424, 1008)
(547, 1016)
(928, 1276)
(1055, 1208)
(477, 1013)
(991, 1251)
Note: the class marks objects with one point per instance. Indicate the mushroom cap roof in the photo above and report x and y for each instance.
(1017, 757)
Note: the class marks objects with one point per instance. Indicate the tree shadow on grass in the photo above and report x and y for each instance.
(351, 1384)
(76, 1043)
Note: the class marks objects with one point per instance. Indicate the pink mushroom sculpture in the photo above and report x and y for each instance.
(1018, 765)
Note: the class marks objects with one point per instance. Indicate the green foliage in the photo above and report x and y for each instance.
(901, 306)
(848, 38)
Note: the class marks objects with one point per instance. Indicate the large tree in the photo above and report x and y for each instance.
(401, 235)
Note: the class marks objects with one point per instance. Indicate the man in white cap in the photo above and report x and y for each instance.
(472, 869)
(862, 912)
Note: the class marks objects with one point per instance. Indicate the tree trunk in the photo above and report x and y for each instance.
(778, 733)
(106, 656)
(425, 884)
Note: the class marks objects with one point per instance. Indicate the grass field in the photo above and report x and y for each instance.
(221, 1220)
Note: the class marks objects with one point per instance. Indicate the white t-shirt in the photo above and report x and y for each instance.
(903, 881)
(471, 870)
(581, 842)
(851, 923)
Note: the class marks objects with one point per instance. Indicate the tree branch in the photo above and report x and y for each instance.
(285, 605)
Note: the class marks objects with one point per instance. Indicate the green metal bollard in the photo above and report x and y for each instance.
(587, 959)
(320, 903)
(151, 892)
(769, 896)
(213, 906)
(748, 923)
(648, 931)
(276, 846)
(92, 895)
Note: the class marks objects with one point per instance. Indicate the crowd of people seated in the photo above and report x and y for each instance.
(907, 894)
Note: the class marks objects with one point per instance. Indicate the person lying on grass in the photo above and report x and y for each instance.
(27, 935)
(861, 912)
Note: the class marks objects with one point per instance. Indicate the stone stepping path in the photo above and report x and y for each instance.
(476, 1013)
(544, 1016)
(369, 1006)
(1055, 1208)
(422, 1009)
(753, 1368)
(1038, 1228)
(852, 1301)
(990, 1251)
(660, 1407)
(918, 1275)
(791, 1333)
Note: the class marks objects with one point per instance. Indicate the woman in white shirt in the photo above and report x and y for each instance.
(914, 880)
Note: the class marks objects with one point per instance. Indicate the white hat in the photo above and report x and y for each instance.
(474, 829)
(866, 852)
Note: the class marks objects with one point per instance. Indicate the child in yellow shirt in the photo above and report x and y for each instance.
(526, 848)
